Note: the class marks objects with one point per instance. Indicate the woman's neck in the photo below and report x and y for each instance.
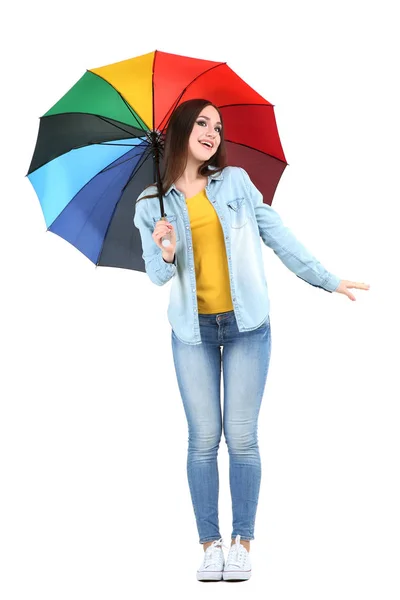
(191, 175)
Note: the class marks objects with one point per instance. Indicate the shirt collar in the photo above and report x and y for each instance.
(217, 176)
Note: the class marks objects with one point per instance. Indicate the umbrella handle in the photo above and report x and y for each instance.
(166, 239)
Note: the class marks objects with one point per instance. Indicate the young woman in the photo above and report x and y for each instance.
(219, 314)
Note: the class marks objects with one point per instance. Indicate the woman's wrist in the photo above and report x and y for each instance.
(168, 257)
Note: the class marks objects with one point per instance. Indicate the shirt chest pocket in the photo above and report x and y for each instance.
(237, 212)
(171, 219)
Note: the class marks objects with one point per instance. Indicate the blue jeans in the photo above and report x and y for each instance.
(245, 361)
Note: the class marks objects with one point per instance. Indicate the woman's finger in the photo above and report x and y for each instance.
(358, 285)
(161, 231)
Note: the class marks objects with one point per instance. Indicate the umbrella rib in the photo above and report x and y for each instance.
(257, 150)
(121, 162)
(108, 120)
(152, 89)
(93, 208)
(133, 112)
(117, 126)
(145, 156)
(112, 144)
(269, 105)
(135, 170)
(184, 90)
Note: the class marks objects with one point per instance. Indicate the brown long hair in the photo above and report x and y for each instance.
(176, 144)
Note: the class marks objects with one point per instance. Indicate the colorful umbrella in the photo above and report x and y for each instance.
(100, 145)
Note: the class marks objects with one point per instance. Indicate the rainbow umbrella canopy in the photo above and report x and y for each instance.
(101, 144)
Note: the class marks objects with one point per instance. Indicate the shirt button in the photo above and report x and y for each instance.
(234, 299)
(190, 247)
(187, 226)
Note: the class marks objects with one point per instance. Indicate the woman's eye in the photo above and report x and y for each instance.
(204, 123)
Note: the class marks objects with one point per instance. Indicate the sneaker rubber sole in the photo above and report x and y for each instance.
(236, 575)
(209, 575)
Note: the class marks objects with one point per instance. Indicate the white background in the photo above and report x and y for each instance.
(95, 501)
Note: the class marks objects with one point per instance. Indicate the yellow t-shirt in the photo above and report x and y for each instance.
(211, 264)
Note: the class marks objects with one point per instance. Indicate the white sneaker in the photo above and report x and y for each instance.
(213, 562)
(237, 564)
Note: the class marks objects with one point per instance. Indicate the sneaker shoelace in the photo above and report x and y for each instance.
(212, 555)
(237, 554)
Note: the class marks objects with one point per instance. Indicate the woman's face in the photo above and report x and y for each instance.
(207, 128)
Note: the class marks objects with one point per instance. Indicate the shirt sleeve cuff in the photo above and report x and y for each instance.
(165, 270)
(332, 283)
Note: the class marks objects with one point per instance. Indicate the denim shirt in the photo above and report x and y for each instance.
(245, 220)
